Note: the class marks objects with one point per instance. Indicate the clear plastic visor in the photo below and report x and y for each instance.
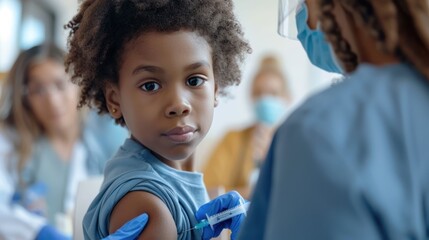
(286, 25)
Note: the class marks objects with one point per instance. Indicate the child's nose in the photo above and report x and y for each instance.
(178, 108)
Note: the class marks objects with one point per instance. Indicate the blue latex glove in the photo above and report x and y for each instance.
(131, 230)
(219, 204)
(48, 233)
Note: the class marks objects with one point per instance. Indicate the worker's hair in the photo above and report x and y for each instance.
(102, 27)
(398, 26)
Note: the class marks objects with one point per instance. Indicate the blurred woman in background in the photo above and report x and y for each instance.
(46, 149)
(235, 162)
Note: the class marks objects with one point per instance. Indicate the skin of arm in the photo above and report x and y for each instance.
(161, 224)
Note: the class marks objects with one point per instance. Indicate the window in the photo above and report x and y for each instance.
(10, 10)
(24, 24)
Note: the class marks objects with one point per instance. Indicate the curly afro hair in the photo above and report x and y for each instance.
(101, 28)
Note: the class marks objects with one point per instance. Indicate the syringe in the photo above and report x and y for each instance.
(222, 216)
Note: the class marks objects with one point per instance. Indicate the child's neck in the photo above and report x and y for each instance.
(182, 165)
(188, 164)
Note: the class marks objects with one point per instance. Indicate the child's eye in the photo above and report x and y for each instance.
(195, 81)
(150, 86)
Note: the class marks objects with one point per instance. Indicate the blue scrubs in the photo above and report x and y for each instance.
(351, 163)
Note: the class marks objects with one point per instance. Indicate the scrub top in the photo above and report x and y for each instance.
(351, 163)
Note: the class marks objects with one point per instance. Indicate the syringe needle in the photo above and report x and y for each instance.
(199, 225)
(187, 230)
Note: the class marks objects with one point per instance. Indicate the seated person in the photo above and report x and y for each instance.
(51, 150)
(235, 162)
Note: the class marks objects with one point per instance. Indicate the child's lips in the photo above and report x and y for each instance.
(182, 134)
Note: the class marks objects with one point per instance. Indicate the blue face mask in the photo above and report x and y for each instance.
(318, 50)
(269, 110)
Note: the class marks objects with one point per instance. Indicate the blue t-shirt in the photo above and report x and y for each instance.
(351, 163)
(135, 168)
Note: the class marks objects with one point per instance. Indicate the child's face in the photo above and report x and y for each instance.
(166, 92)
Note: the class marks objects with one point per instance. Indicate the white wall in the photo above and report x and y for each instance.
(65, 10)
(10, 17)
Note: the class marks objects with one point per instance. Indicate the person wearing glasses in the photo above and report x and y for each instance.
(45, 148)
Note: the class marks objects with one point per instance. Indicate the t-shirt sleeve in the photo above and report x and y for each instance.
(98, 216)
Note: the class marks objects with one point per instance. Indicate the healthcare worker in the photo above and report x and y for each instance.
(353, 161)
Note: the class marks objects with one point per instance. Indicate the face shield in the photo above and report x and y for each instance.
(292, 23)
(286, 20)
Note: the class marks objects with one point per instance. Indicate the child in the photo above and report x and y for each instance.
(157, 67)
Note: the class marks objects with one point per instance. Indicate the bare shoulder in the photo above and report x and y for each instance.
(161, 224)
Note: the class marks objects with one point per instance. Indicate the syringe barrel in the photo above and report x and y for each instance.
(227, 214)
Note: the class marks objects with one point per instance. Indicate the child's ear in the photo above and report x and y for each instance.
(111, 93)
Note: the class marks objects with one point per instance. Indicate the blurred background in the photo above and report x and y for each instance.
(25, 23)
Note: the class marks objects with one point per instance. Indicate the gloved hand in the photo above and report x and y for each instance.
(48, 233)
(219, 204)
(130, 230)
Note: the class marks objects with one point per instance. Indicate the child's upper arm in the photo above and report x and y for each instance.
(161, 224)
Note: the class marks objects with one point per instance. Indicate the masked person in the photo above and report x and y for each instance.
(305, 28)
(235, 162)
(352, 162)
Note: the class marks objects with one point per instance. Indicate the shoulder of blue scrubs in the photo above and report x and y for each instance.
(318, 50)
(255, 223)
(351, 163)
